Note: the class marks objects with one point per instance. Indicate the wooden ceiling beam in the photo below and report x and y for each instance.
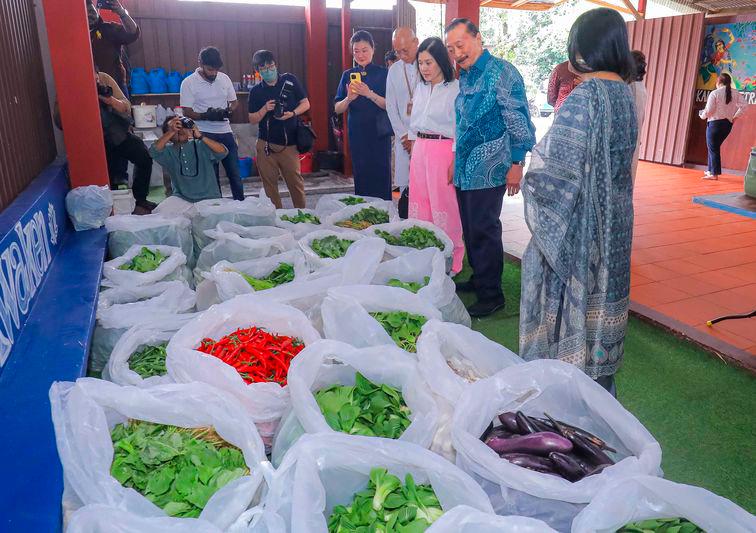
(519, 3)
(631, 7)
(610, 5)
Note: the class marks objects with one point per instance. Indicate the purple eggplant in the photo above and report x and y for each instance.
(531, 462)
(524, 423)
(542, 443)
(499, 432)
(509, 420)
(563, 428)
(590, 451)
(566, 466)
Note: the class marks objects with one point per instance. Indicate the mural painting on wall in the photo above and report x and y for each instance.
(729, 48)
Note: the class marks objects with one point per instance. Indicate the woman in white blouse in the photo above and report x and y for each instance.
(432, 196)
(723, 106)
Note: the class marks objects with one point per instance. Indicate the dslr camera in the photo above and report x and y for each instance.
(287, 92)
(104, 90)
(186, 123)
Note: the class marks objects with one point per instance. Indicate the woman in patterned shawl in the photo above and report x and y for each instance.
(579, 207)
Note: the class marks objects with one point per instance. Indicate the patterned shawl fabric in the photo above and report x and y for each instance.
(579, 207)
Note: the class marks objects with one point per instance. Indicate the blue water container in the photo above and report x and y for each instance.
(139, 84)
(245, 167)
(174, 82)
(158, 81)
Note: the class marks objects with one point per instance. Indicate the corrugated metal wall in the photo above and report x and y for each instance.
(672, 46)
(27, 144)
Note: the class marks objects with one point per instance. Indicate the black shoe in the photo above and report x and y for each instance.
(484, 308)
(146, 204)
(465, 286)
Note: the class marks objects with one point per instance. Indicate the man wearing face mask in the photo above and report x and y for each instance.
(109, 38)
(400, 90)
(208, 97)
(277, 154)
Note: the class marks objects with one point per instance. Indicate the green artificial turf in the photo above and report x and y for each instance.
(702, 411)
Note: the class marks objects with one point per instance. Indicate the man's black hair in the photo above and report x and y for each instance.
(210, 57)
(362, 36)
(640, 65)
(598, 41)
(262, 58)
(471, 28)
(437, 49)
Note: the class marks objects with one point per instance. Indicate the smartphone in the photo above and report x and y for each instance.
(355, 77)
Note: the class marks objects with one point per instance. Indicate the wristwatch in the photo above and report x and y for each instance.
(199, 138)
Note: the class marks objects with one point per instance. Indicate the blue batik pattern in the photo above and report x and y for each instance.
(493, 123)
(579, 207)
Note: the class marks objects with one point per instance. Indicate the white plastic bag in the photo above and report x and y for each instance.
(172, 268)
(124, 231)
(299, 229)
(346, 311)
(230, 283)
(85, 412)
(207, 214)
(174, 206)
(327, 469)
(156, 305)
(414, 266)
(89, 206)
(327, 363)
(349, 211)
(646, 497)
(396, 227)
(313, 259)
(465, 519)
(264, 402)
(566, 393)
(100, 518)
(136, 338)
(234, 243)
(443, 343)
(331, 203)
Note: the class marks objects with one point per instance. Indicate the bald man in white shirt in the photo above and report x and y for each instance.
(400, 89)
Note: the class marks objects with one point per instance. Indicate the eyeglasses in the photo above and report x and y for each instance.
(267, 68)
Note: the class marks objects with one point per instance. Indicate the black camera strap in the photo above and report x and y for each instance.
(268, 148)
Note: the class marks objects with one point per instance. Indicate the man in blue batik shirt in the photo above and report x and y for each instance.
(494, 132)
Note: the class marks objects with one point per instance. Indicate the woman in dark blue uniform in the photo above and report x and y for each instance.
(368, 124)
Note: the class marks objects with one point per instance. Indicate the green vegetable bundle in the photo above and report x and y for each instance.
(175, 468)
(403, 327)
(146, 261)
(387, 506)
(364, 409)
(301, 217)
(352, 200)
(414, 237)
(663, 525)
(408, 285)
(149, 361)
(365, 218)
(331, 246)
(284, 273)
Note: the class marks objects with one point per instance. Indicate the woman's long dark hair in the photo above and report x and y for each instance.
(598, 41)
(726, 80)
(437, 49)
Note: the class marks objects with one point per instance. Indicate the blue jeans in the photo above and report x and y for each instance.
(230, 163)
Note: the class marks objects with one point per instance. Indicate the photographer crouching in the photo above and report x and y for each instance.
(208, 97)
(115, 114)
(277, 100)
(190, 158)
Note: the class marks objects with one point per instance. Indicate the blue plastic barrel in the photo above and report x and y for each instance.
(245, 167)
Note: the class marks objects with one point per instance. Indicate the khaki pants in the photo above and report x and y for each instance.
(284, 164)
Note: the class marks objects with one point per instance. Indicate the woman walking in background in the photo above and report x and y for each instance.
(579, 207)
(722, 108)
(432, 195)
(362, 91)
(641, 97)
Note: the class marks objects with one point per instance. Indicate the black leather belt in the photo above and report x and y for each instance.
(433, 136)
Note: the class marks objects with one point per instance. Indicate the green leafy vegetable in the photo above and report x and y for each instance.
(364, 218)
(364, 409)
(177, 469)
(284, 273)
(331, 246)
(352, 200)
(414, 237)
(387, 506)
(301, 217)
(149, 361)
(146, 261)
(409, 285)
(663, 525)
(403, 327)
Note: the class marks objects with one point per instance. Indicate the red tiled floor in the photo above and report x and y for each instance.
(655, 294)
(638, 279)
(716, 331)
(680, 267)
(693, 311)
(745, 272)
(745, 327)
(654, 272)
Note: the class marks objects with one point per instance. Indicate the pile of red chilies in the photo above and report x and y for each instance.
(257, 355)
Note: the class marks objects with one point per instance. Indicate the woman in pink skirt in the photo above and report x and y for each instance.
(432, 196)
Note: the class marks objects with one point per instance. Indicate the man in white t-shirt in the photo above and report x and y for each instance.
(208, 97)
(400, 89)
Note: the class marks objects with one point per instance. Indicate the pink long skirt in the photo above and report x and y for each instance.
(431, 197)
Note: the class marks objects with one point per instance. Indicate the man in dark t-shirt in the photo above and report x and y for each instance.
(277, 153)
(109, 38)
